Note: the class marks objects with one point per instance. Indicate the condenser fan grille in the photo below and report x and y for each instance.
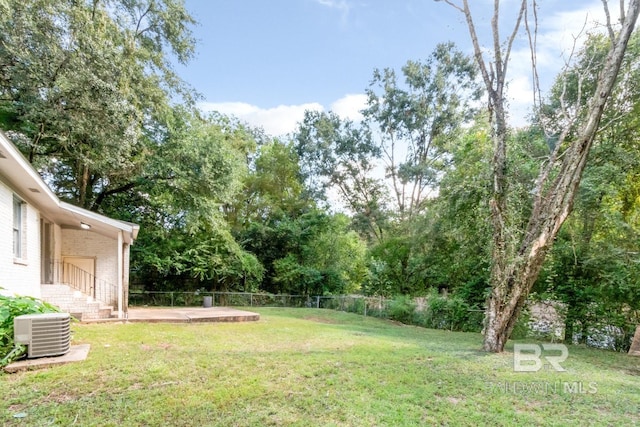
(44, 334)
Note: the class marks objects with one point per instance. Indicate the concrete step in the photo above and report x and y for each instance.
(81, 306)
(105, 312)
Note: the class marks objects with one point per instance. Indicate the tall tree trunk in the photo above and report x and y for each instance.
(516, 266)
(83, 184)
(513, 277)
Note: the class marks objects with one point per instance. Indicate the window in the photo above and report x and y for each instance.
(18, 207)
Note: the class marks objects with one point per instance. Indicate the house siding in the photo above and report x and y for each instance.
(19, 276)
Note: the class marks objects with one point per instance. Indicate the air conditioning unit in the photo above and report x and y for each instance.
(47, 334)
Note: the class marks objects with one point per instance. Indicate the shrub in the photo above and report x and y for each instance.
(402, 309)
(11, 307)
(521, 330)
(449, 312)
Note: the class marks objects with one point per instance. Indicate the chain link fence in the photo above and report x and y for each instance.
(195, 299)
(373, 306)
(367, 306)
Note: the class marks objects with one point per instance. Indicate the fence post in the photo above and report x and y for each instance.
(364, 299)
(317, 301)
(251, 299)
(171, 299)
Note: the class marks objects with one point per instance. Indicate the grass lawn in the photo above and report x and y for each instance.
(312, 367)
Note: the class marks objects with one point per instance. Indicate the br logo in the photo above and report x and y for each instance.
(529, 357)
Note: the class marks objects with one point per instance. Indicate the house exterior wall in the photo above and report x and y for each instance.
(19, 276)
(84, 243)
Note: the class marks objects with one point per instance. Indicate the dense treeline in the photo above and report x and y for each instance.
(88, 94)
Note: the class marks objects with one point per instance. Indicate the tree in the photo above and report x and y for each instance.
(339, 154)
(198, 166)
(273, 187)
(324, 257)
(84, 83)
(518, 253)
(408, 126)
(417, 122)
(593, 265)
(313, 253)
(456, 235)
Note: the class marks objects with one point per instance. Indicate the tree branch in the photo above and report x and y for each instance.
(138, 31)
(605, 5)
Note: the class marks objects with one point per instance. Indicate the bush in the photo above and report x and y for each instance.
(449, 312)
(402, 309)
(11, 307)
(521, 329)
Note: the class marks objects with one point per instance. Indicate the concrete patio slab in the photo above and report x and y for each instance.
(77, 353)
(190, 315)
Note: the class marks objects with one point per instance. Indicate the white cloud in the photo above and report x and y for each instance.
(349, 106)
(237, 109)
(334, 4)
(284, 119)
(275, 121)
(341, 6)
(520, 97)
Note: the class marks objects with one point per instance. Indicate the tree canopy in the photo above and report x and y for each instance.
(85, 84)
(431, 194)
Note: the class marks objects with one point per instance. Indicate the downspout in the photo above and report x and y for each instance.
(120, 274)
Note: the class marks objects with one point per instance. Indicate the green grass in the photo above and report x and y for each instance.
(311, 367)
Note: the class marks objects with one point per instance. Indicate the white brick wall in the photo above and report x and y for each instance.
(22, 276)
(84, 243)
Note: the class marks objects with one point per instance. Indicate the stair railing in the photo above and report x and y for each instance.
(80, 280)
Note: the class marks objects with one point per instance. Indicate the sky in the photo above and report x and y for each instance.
(267, 61)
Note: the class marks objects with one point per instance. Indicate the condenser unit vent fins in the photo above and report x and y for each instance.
(44, 335)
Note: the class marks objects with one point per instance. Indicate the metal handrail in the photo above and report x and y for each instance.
(64, 273)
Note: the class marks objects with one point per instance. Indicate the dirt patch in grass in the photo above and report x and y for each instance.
(634, 371)
(161, 346)
(321, 320)
(59, 397)
(454, 400)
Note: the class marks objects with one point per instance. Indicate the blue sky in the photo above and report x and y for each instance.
(266, 61)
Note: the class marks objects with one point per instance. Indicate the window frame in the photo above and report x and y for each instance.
(18, 227)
